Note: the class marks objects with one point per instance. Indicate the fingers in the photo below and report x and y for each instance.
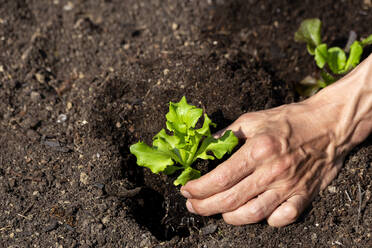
(221, 178)
(255, 210)
(228, 200)
(241, 164)
(288, 211)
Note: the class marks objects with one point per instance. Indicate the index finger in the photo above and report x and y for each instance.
(221, 178)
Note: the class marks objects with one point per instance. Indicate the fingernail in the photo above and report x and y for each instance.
(189, 207)
(185, 193)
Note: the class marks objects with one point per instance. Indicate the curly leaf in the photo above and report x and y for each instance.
(187, 175)
(182, 116)
(367, 41)
(217, 146)
(321, 55)
(356, 51)
(309, 32)
(336, 60)
(328, 78)
(205, 129)
(151, 158)
(169, 144)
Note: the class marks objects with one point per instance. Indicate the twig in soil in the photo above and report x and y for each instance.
(337, 243)
(348, 196)
(360, 202)
(5, 228)
(26, 217)
(28, 209)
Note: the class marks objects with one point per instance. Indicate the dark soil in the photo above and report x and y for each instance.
(82, 80)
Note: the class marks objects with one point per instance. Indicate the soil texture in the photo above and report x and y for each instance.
(80, 81)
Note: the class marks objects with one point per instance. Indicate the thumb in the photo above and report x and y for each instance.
(238, 127)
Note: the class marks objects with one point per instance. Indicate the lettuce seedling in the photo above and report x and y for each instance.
(171, 153)
(333, 61)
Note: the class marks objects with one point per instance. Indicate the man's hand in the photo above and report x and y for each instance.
(290, 153)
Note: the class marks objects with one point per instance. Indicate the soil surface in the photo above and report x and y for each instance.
(82, 80)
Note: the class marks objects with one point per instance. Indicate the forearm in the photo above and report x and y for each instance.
(350, 101)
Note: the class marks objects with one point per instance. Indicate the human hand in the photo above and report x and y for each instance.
(290, 153)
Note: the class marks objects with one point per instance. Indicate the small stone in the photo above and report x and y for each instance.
(35, 96)
(131, 129)
(126, 46)
(165, 72)
(1, 68)
(84, 178)
(276, 24)
(332, 189)
(215, 43)
(118, 125)
(314, 237)
(69, 6)
(105, 220)
(18, 230)
(40, 77)
(209, 229)
(174, 26)
(68, 106)
(35, 193)
(11, 235)
(61, 118)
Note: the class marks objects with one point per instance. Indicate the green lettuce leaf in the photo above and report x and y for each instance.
(187, 175)
(150, 157)
(367, 41)
(309, 32)
(321, 55)
(336, 60)
(328, 78)
(217, 146)
(182, 116)
(356, 51)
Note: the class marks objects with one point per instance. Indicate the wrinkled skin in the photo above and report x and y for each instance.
(289, 154)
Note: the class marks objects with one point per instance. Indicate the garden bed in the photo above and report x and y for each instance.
(80, 81)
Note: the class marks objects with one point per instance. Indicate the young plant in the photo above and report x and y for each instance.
(186, 145)
(333, 61)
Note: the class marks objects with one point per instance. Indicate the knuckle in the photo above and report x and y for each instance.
(264, 146)
(256, 213)
(281, 166)
(244, 118)
(229, 202)
(221, 180)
